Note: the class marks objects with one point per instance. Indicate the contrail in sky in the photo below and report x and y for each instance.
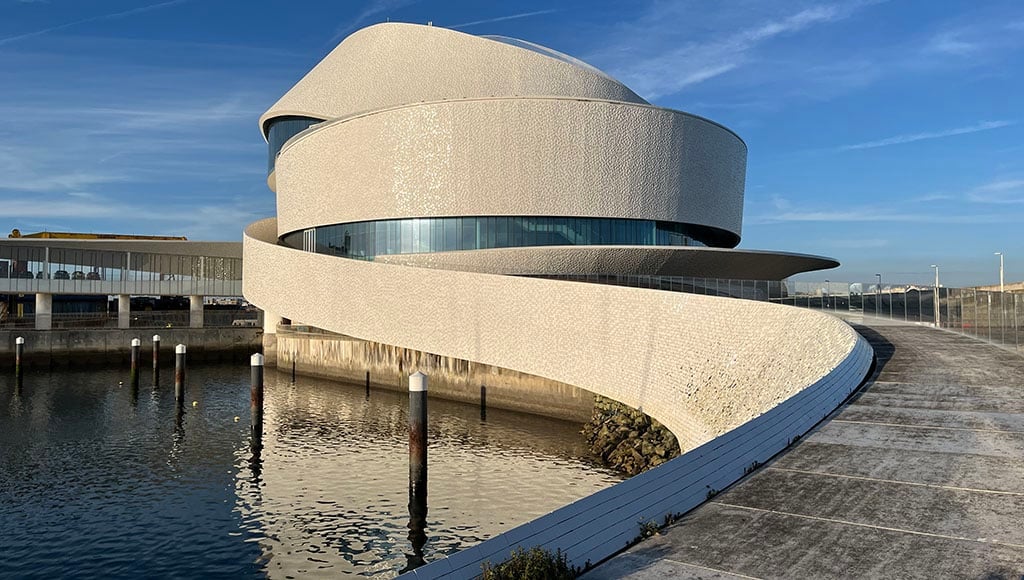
(901, 139)
(503, 18)
(138, 10)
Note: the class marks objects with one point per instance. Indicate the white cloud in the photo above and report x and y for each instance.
(951, 43)
(1010, 191)
(912, 137)
(654, 58)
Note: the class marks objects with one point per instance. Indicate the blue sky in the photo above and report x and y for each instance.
(889, 135)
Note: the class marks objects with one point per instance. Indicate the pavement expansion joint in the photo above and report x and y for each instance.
(870, 526)
(896, 481)
(937, 427)
(715, 570)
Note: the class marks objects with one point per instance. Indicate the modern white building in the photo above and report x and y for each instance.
(450, 194)
(431, 183)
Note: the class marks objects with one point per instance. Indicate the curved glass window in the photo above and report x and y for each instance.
(421, 235)
(280, 130)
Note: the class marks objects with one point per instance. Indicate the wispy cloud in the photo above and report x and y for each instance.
(201, 221)
(504, 18)
(110, 16)
(373, 9)
(880, 215)
(1004, 191)
(853, 243)
(912, 137)
(659, 71)
(951, 43)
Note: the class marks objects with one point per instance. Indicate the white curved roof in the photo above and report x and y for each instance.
(393, 64)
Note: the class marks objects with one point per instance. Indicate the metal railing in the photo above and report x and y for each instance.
(993, 316)
(138, 319)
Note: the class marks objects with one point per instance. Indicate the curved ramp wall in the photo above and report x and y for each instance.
(699, 364)
(423, 122)
(736, 380)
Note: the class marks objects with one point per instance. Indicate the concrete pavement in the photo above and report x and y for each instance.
(921, 475)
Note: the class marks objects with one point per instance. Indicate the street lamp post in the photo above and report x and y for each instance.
(878, 296)
(1000, 254)
(825, 297)
(935, 301)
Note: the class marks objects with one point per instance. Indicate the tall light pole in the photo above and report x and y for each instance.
(878, 296)
(1000, 254)
(935, 301)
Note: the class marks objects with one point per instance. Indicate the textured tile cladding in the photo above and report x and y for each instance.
(701, 365)
(514, 156)
(393, 64)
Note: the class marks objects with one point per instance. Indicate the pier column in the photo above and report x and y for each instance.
(44, 311)
(270, 322)
(124, 310)
(195, 311)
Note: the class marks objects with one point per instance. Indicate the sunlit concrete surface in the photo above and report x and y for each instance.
(920, 476)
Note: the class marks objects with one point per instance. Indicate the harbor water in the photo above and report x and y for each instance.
(98, 479)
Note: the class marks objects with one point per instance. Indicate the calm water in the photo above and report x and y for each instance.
(96, 482)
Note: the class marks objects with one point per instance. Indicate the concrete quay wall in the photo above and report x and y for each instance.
(340, 357)
(64, 346)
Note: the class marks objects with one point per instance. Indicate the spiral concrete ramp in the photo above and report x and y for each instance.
(414, 123)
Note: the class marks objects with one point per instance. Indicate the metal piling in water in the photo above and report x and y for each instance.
(19, 352)
(483, 402)
(133, 379)
(179, 375)
(156, 359)
(256, 399)
(417, 433)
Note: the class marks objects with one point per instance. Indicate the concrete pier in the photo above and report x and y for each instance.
(124, 311)
(44, 311)
(919, 476)
(195, 311)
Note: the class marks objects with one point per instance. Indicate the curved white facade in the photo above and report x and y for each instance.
(431, 183)
(422, 125)
(515, 156)
(393, 64)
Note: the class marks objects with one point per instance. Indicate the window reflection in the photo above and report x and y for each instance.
(280, 130)
(422, 235)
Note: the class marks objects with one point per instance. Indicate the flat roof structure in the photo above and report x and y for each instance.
(47, 266)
